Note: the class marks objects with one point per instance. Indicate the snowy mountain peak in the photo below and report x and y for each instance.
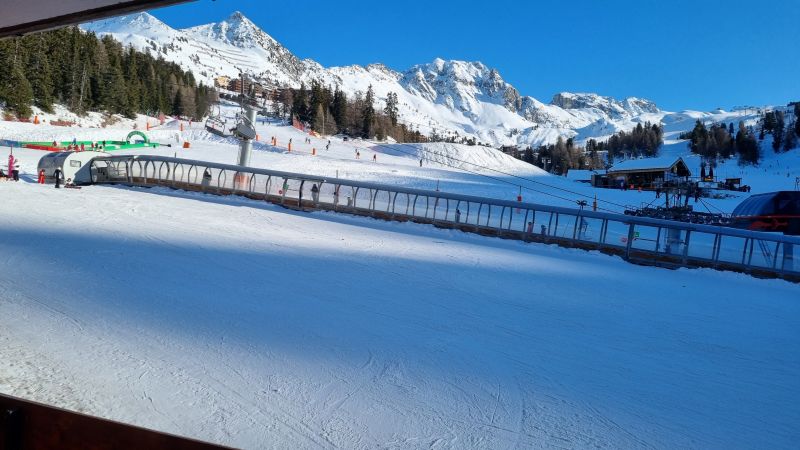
(462, 98)
(237, 16)
(631, 106)
(236, 30)
(460, 85)
(139, 24)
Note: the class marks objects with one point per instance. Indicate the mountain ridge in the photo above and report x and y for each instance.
(446, 97)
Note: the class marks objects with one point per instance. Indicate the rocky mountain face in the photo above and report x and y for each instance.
(447, 97)
(631, 106)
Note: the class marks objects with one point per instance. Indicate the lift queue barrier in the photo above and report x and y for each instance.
(640, 240)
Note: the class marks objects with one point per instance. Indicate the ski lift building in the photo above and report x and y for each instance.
(75, 166)
(649, 173)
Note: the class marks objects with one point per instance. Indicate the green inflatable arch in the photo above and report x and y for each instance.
(137, 133)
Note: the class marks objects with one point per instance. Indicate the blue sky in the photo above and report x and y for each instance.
(681, 54)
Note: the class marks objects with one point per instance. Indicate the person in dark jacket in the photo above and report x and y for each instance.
(58, 174)
(315, 193)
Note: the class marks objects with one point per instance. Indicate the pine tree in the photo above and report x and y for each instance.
(187, 102)
(790, 139)
(777, 131)
(300, 104)
(769, 122)
(132, 83)
(319, 119)
(699, 139)
(339, 110)
(17, 90)
(39, 74)
(177, 103)
(368, 114)
(746, 146)
(797, 118)
(391, 107)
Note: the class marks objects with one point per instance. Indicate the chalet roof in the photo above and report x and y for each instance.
(662, 163)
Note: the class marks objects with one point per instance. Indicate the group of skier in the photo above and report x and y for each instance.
(13, 173)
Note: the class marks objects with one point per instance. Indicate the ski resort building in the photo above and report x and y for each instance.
(75, 166)
(646, 173)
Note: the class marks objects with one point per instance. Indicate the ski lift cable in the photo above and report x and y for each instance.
(499, 179)
(483, 175)
(525, 179)
(501, 172)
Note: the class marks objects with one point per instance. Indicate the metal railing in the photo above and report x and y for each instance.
(637, 239)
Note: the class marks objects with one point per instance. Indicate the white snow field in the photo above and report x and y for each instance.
(475, 170)
(250, 325)
(246, 324)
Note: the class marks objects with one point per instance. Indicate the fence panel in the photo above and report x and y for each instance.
(646, 238)
(701, 245)
(689, 244)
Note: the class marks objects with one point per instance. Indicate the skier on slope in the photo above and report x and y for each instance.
(15, 172)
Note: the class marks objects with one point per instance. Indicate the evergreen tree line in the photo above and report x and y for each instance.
(720, 141)
(87, 73)
(783, 137)
(330, 111)
(643, 140)
(558, 158)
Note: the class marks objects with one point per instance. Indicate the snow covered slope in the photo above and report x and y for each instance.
(250, 325)
(450, 98)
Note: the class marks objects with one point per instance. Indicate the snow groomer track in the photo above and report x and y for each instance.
(636, 239)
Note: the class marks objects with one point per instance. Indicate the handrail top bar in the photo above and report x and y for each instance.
(646, 221)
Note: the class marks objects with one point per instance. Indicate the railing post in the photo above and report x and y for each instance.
(658, 239)
(630, 240)
(686, 248)
(394, 200)
(575, 227)
(603, 231)
(748, 243)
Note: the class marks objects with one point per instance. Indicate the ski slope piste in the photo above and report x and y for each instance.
(637, 239)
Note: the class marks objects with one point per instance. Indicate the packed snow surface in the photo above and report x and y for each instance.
(242, 323)
(250, 325)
